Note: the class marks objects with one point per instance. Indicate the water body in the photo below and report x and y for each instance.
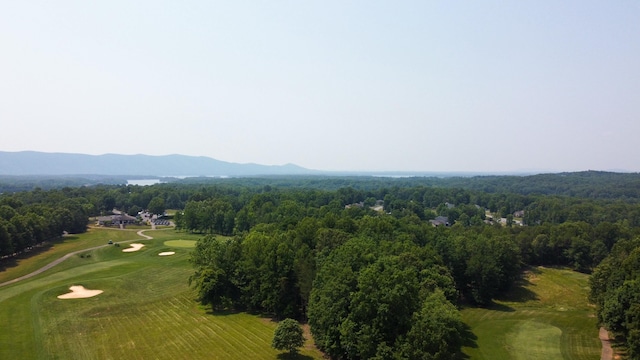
(143, 182)
(146, 182)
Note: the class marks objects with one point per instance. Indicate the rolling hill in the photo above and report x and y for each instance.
(41, 163)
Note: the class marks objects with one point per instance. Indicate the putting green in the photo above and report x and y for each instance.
(547, 317)
(181, 243)
(535, 340)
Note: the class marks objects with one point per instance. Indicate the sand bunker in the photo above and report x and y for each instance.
(79, 292)
(167, 253)
(134, 247)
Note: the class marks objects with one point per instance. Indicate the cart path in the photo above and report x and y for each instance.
(65, 257)
(607, 351)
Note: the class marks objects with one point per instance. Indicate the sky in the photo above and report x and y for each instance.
(477, 86)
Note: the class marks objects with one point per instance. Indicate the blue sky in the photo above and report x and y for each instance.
(490, 86)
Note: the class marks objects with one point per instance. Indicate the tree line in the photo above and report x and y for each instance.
(23, 226)
(615, 289)
(385, 284)
(371, 282)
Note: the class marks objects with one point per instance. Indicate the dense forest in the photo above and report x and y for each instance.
(377, 266)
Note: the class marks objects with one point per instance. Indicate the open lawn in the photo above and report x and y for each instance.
(546, 316)
(146, 311)
(52, 250)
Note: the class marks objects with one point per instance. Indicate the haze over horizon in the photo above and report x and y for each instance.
(335, 86)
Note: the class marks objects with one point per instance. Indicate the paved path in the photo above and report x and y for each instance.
(58, 261)
(607, 351)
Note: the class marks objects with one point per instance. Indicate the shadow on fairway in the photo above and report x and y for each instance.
(469, 340)
(228, 312)
(223, 312)
(499, 307)
(520, 292)
(296, 356)
(8, 263)
(12, 261)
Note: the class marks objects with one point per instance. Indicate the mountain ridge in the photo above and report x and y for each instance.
(59, 163)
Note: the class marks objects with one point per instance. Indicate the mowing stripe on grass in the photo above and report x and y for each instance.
(17, 289)
(551, 319)
(532, 340)
(147, 311)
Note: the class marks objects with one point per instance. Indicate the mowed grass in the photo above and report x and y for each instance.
(181, 243)
(38, 257)
(547, 316)
(147, 311)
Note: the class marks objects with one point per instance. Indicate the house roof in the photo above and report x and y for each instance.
(440, 220)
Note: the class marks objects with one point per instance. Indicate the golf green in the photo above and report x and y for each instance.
(181, 243)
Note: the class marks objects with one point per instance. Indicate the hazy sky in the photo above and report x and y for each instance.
(331, 85)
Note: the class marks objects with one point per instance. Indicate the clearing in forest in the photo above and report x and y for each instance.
(546, 316)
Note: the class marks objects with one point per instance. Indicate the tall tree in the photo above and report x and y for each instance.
(288, 336)
(216, 261)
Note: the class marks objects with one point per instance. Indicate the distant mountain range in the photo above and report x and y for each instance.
(41, 163)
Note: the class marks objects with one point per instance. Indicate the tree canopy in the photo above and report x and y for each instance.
(362, 260)
(288, 336)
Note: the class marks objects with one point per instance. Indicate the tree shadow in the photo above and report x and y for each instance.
(469, 340)
(619, 346)
(13, 261)
(294, 356)
(468, 337)
(499, 307)
(224, 312)
(8, 263)
(490, 306)
(232, 311)
(521, 291)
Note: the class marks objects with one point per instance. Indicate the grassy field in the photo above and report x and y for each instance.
(38, 257)
(546, 317)
(146, 311)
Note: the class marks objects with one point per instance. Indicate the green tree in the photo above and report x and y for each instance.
(381, 308)
(509, 220)
(6, 245)
(214, 278)
(436, 332)
(615, 289)
(330, 297)
(367, 293)
(288, 336)
(268, 278)
(156, 205)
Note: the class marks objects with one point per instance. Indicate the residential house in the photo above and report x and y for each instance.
(440, 221)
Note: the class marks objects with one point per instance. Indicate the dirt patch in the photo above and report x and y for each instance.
(79, 292)
(309, 344)
(530, 276)
(607, 350)
(134, 247)
(167, 253)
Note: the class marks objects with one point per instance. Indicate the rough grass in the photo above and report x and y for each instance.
(547, 316)
(147, 311)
